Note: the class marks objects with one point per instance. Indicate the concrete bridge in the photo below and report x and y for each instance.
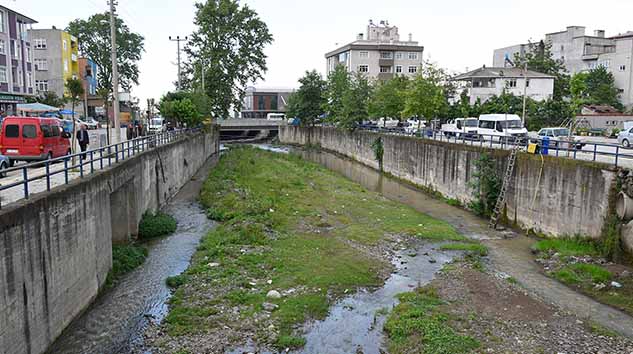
(250, 124)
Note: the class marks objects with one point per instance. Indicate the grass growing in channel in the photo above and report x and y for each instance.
(294, 223)
(567, 247)
(125, 258)
(578, 273)
(419, 322)
(156, 224)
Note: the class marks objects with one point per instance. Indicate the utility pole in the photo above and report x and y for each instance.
(115, 75)
(178, 40)
(525, 84)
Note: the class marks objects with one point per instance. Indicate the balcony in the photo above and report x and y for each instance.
(592, 52)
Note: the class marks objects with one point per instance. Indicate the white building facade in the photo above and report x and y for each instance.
(379, 54)
(484, 83)
(581, 52)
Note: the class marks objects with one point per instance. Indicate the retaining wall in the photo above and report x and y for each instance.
(56, 247)
(553, 196)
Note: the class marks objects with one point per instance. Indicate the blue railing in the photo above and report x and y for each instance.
(86, 163)
(608, 153)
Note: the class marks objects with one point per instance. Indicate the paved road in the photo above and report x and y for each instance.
(17, 192)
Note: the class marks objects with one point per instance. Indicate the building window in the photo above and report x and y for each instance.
(20, 78)
(385, 69)
(413, 56)
(65, 45)
(41, 65)
(39, 43)
(22, 27)
(622, 67)
(413, 69)
(399, 55)
(3, 74)
(562, 48)
(605, 63)
(28, 55)
(41, 86)
(66, 65)
(398, 68)
(16, 49)
(364, 55)
(273, 103)
(29, 79)
(3, 50)
(386, 55)
(2, 21)
(512, 83)
(527, 83)
(363, 68)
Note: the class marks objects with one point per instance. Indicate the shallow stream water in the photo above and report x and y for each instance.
(115, 322)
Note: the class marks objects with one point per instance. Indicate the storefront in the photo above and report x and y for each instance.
(9, 102)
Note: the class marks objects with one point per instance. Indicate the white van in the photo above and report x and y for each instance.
(501, 127)
(466, 127)
(156, 125)
(275, 116)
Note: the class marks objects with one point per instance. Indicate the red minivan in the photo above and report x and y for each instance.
(33, 139)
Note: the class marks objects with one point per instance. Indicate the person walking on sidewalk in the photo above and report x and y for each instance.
(83, 139)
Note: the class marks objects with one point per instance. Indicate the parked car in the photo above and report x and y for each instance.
(625, 138)
(414, 126)
(559, 137)
(33, 139)
(5, 163)
(501, 127)
(91, 123)
(461, 127)
(275, 116)
(388, 123)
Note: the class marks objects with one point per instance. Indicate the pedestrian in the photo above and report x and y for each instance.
(84, 139)
(130, 131)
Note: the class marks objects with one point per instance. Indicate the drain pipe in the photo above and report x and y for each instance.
(624, 206)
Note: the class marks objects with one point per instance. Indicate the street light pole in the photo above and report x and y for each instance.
(525, 83)
(115, 75)
(178, 40)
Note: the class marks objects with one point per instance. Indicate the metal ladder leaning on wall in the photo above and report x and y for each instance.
(501, 199)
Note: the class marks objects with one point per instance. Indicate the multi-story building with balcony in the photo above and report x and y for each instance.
(581, 52)
(379, 53)
(484, 83)
(55, 57)
(16, 71)
(92, 103)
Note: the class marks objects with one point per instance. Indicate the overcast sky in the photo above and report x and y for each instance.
(457, 34)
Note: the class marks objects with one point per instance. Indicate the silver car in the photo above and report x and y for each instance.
(4, 164)
(625, 138)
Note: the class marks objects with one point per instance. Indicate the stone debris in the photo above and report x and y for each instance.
(269, 307)
(273, 294)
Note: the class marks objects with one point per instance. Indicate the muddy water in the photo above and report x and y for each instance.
(115, 322)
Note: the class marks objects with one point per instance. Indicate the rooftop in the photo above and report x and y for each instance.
(498, 72)
(28, 19)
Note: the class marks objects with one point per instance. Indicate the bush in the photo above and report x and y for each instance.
(176, 281)
(485, 185)
(156, 224)
(125, 258)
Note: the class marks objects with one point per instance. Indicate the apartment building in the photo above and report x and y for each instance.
(258, 102)
(484, 83)
(55, 56)
(92, 104)
(582, 52)
(379, 53)
(16, 71)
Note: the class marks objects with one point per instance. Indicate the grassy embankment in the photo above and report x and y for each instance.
(291, 226)
(589, 277)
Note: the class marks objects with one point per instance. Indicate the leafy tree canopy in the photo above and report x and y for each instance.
(355, 102)
(425, 97)
(185, 107)
(229, 44)
(388, 97)
(539, 58)
(308, 102)
(338, 82)
(94, 39)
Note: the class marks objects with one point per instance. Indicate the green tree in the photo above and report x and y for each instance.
(75, 89)
(338, 83)
(50, 98)
(601, 88)
(229, 43)
(308, 101)
(355, 102)
(94, 39)
(579, 90)
(424, 97)
(185, 107)
(387, 99)
(539, 58)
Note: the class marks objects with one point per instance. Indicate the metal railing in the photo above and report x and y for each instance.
(578, 150)
(86, 163)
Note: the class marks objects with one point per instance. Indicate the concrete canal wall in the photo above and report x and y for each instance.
(56, 247)
(554, 196)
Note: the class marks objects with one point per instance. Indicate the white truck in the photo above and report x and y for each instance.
(501, 127)
(156, 125)
(461, 128)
